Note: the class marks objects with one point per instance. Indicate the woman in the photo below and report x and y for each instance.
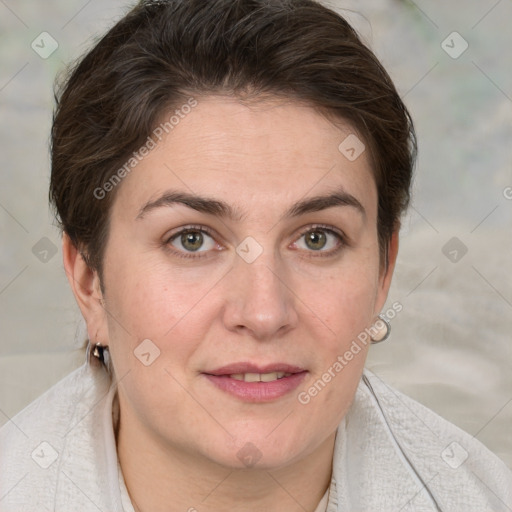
(229, 177)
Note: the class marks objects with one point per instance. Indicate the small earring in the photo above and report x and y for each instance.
(96, 354)
(382, 330)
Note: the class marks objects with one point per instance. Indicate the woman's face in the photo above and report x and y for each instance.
(268, 278)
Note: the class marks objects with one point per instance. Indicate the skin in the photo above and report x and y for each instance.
(179, 435)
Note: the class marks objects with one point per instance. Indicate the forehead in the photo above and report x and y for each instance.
(268, 152)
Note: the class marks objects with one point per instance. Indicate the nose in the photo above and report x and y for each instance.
(259, 301)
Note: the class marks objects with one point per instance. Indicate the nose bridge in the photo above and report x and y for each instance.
(260, 300)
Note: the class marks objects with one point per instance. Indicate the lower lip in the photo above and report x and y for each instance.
(257, 391)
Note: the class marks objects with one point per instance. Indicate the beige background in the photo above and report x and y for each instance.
(451, 345)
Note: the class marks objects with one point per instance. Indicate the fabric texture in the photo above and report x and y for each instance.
(391, 454)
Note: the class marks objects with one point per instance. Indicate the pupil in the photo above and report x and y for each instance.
(316, 237)
(192, 241)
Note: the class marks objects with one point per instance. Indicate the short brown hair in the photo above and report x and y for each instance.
(164, 51)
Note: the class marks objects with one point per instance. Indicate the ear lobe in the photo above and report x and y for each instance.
(85, 285)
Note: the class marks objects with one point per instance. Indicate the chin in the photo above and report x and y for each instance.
(259, 452)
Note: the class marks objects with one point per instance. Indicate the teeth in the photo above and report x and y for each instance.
(259, 377)
(267, 377)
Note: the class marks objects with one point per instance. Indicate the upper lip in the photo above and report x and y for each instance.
(243, 367)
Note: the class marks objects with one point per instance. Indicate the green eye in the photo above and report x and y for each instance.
(320, 239)
(316, 240)
(192, 240)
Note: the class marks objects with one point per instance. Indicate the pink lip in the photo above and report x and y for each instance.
(256, 391)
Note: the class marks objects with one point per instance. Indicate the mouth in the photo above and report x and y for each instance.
(252, 383)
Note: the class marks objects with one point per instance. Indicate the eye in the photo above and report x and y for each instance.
(320, 239)
(197, 241)
(192, 240)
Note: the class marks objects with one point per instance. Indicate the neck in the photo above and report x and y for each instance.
(167, 478)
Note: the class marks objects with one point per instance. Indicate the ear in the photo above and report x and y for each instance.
(386, 274)
(85, 284)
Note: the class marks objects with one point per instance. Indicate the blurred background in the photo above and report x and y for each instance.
(451, 346)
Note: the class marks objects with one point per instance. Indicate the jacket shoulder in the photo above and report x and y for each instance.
(457, 468)
(33, 442)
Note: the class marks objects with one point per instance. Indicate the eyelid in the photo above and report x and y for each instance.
(191, 227)
(325, 227)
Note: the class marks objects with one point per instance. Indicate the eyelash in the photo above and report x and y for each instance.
(204, 254)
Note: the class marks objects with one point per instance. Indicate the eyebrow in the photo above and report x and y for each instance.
(224, 210)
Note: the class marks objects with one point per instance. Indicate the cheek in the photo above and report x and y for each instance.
(149, 299)
(167, 309)
(152, 296)
(342, 302)
(340, 345)
(354, 303)
(343, 296)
